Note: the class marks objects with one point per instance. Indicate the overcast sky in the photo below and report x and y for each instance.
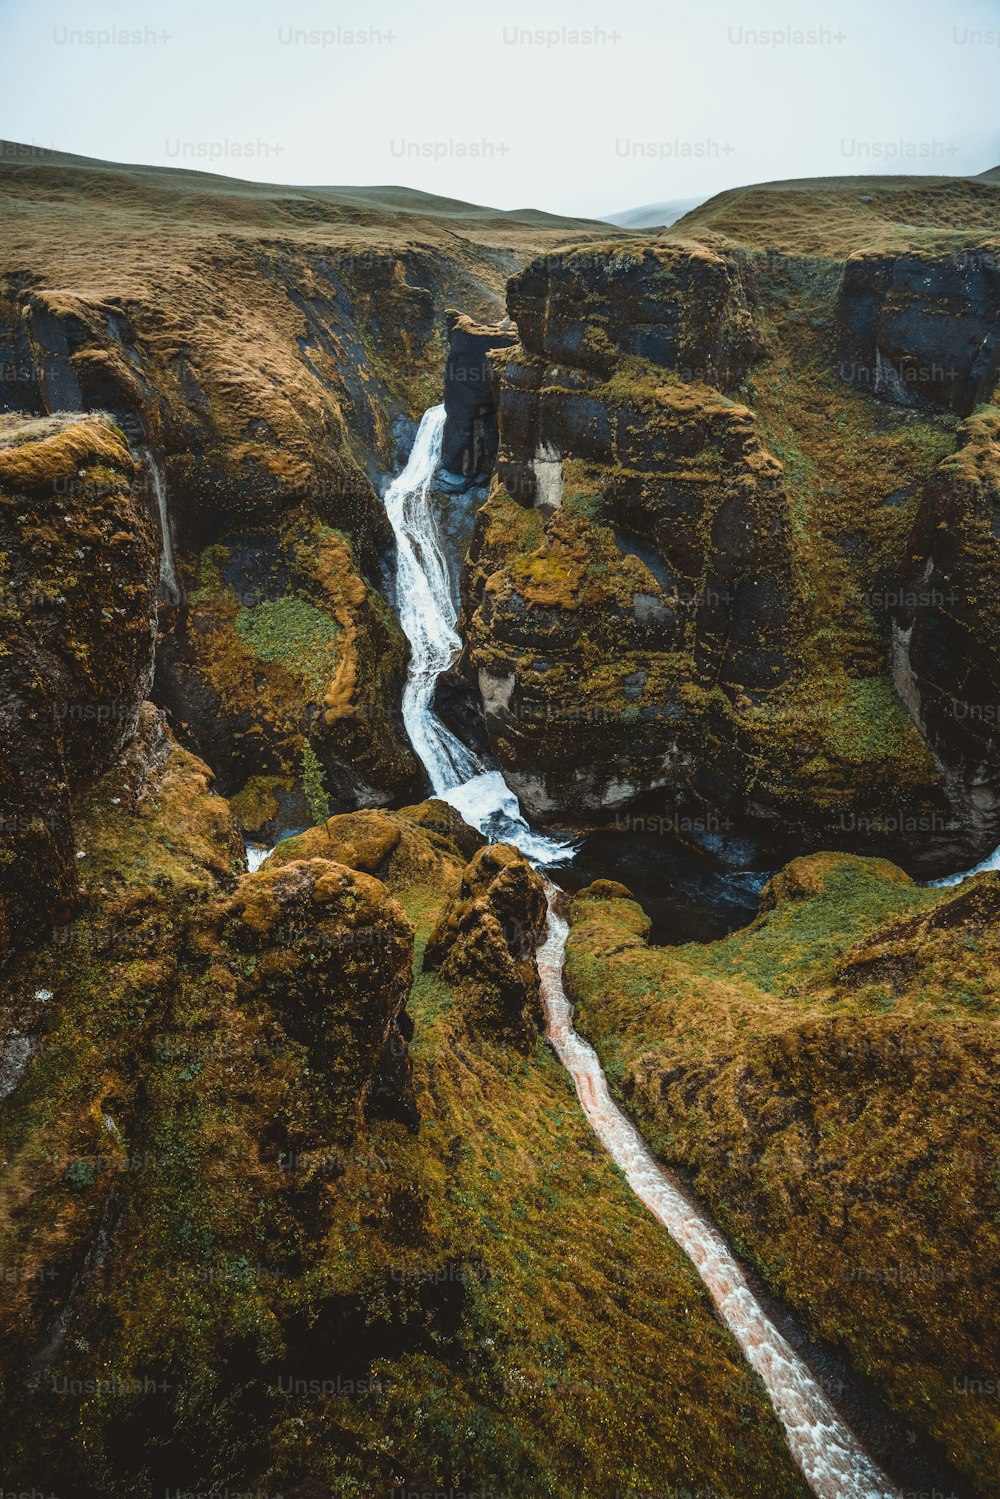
(614, 105)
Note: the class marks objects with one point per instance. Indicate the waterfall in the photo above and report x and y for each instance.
(831, 1458)
(428, 614)
(168, 573)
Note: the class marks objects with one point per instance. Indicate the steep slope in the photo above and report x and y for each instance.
(828, 1077)
(285, 1210)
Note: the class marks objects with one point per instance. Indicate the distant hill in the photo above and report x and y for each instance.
(388, 200)
(652, 215)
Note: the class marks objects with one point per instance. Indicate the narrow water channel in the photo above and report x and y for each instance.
(831, 1458)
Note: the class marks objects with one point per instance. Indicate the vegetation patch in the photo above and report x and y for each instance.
(293, 633)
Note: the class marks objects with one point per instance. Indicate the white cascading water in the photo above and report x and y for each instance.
(168, 572)
(428, 616)
(832, 1460)
(989, 864)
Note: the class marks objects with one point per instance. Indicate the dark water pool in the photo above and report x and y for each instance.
(688, 895)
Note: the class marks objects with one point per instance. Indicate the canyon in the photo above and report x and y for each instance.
(445, 553)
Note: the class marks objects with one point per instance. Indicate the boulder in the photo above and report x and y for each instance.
(331, 955)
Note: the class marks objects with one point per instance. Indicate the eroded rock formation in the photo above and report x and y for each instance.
(923, 329)
(469, 445)
(488, 936)
(946, 625)
(265, 377)
(659, 572)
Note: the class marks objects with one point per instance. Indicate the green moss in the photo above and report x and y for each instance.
(825, 1077)
(838, 900)
(870, 723)
(258, 802)
(293, 633)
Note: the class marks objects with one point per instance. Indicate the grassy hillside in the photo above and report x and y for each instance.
(837, 215)
(828, 1075)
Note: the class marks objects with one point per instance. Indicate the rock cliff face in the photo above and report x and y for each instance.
(945, 630)
(469, 444)
(590, 307)
(320, 937)
(669, 567)
(263, 351)
(923, 329)
(78, 607)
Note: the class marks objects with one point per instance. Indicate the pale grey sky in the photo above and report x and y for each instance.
(611, 106)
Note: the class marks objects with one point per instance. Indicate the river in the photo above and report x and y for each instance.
(832, 1460)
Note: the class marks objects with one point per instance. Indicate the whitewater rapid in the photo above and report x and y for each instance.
(988, 865)
(832, 1460)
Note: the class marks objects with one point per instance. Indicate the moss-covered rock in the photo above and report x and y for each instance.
(487, 937)
(947, 618)
(286, 653)
(317, 937)
(77, 611)
(220, 1272)
(704, 585)
(677, 307)
(921, 328)
(426, 842)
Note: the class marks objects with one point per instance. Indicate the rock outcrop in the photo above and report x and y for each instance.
(677, 309)
(948, 618)
(428, 841)
(469, 443)
(674, 572)
(923, 329)
(264, 351)
(285, 655)
(486, 939)
(332, 958)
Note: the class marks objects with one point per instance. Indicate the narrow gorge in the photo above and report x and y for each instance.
(494, 707)
(834, 1464)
